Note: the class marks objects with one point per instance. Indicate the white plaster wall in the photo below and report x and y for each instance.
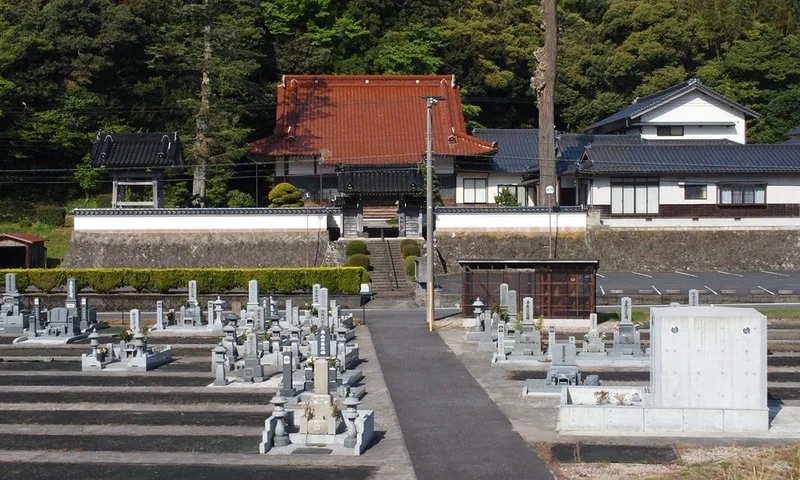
(493, 185)
(781, 189)
(701, 357)
(600, 191)
(695, 107)
(705, 223)
(178, 223)
(510, 222)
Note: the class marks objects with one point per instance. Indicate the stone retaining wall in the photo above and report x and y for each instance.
(633, 250)
(202, 249)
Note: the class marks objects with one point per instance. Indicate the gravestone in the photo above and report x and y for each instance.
(504, 296)
(593, 345)
(626, 336)
(324, 342)
(253, 371)
(551, 340)
(135, 321)
(160, 315)
(72, 294)
(564, 368)
(289, 316)
(501, 342)
(694, 298)
(527, 311)
(512, 305)
(287, 389)
(315, 290)
(192, 293)
(322, 309)
(252, 293)
(12, 321)
(323, 422)
(295, 316)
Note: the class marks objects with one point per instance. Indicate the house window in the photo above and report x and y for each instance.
(669, 131)
(742, 194)
(695, 192)
(518, 191)
(634, 196)
(475, 190)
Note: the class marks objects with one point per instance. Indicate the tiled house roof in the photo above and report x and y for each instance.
(691, 159)
(645, 104)
(137, 150)
(367, 119)
(793, 136)
(518, 149)
(371, 181)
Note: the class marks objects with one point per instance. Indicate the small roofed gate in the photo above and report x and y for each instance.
(559, 288)
(394, 188)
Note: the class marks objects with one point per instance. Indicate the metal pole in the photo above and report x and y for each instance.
(431, 101)
(549, 228)
(257, 185)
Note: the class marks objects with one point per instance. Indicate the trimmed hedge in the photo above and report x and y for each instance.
(410, 250)
(407, 241)
(358, 260)
(346, 280)
(410, 266)
(356, 247)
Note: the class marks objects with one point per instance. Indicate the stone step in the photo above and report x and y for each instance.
(215, 443)
(135, 417)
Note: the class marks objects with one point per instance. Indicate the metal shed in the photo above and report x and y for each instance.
(22, 250)
(561, 288)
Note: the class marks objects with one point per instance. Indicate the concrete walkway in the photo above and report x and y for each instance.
(451, 427)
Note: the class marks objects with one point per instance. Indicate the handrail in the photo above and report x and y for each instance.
(392, 273)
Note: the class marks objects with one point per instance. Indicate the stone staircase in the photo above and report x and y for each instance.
(388, 275)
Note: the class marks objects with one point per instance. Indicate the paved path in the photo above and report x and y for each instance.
(451, 427)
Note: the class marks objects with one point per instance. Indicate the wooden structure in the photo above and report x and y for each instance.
(561, 288)
(137, 159)
(22, 250)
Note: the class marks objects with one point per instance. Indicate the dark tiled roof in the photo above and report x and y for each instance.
(793, 136)
(137, 150)
(571, 145)
(641, 105)
(698, 158)
(380, 180)
(368, 119)
(517, 149)
(117, 212)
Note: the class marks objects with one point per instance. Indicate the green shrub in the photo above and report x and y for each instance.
(410, 250)
(356, 247)
(358, 260)
(50, 215)
(505, 198)
(407, 241)
(410, 268)
(209, 280)
(240, 199)
(285, 195)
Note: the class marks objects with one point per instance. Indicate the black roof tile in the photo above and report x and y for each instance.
(697, 159)
(137, 150)
(380, 180)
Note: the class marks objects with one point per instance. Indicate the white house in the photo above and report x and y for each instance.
(688, 111)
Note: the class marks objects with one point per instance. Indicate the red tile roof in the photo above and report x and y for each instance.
(367, 119)
(23, 237)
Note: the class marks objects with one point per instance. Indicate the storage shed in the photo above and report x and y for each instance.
(22, 250)
(561, 288)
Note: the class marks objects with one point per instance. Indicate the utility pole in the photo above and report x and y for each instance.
(544, 86)
(203, 118)
(431, 101)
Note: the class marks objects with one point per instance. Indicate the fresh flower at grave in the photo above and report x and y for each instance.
(126, 335)
(103, 351)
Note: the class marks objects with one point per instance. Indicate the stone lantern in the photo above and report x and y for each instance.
(350, 414)
(477, 306)
(281, 438)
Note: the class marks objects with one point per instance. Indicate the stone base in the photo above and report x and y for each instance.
(136, 364)
(365, 432)
(45, 340)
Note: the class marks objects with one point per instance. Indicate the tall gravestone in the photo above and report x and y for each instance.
(160, 315)
(315, 294)
(324, 342)
(287, 388)
(289, 317)
(527, 311)
(551, 340)
(72, 294)
(323, 307)
(135, 321)
(512, 305)
(501, 341)
(504, 296)
(192, 293)
(626, 337)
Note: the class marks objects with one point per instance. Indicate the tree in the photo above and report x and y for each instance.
(211, 47)
(544, 84)
(505, 198)
(87, 176)
(285, 195)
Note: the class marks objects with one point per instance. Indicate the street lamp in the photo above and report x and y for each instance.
(549, 190)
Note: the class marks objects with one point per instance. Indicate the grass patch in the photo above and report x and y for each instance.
(638, 316)
(780, 313)
(735, 463)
